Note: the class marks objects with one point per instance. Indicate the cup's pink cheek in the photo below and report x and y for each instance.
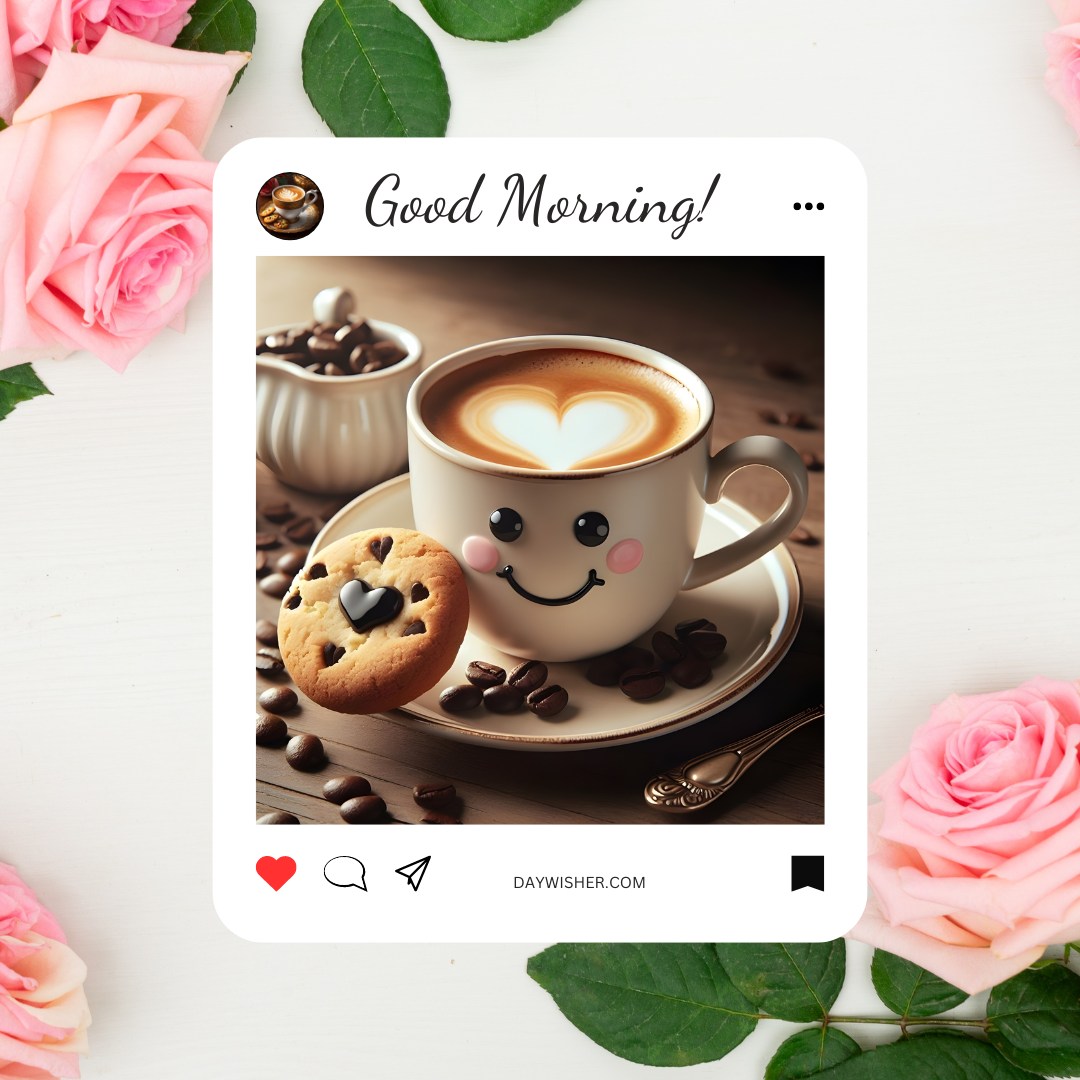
(625, 556)
(480, 553)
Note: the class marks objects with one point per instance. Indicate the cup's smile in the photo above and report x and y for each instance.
(507, 574)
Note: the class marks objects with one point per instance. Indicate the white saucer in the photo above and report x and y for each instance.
(757, 608)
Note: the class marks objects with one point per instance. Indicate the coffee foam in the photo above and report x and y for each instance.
(560, 410)
(289, 193)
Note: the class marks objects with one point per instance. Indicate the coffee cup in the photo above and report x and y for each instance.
(290, 200)
(569, 476)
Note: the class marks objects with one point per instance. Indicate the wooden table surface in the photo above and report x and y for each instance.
(753, 330)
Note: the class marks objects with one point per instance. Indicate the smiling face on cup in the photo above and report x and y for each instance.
(566, 474)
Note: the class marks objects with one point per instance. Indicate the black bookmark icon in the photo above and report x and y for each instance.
(808, 872)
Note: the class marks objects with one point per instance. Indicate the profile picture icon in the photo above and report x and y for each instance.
(289, 205)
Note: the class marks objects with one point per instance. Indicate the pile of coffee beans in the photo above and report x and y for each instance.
(489, 685)
(333, 349)
(642, 674)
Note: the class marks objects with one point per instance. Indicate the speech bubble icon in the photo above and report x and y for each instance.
(345, 872)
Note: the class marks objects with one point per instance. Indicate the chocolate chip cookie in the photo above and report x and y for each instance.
(373, 620)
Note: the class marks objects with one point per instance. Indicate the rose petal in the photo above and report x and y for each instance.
(971, 969)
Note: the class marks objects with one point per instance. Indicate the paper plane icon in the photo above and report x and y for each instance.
(414, 872)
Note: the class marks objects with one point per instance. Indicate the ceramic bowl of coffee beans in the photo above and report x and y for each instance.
(330, 397)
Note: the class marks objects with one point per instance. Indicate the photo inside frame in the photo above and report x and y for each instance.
(472, 746)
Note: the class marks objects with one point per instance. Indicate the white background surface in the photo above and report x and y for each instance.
(974, 234)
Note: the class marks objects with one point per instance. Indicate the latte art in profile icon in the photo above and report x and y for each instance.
(289, 205)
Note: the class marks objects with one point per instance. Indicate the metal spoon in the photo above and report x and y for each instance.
(701, 781)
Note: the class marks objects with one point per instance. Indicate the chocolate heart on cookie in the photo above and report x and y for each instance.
(366, 607)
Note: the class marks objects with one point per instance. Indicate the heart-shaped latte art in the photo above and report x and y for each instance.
(591, 425)
(366, 607)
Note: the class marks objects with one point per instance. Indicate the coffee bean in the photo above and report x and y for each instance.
(433, 817)
(707, 644)
(279, 699)
(802, 535)
(691, 671)
(798, 420)
(302, 531)
(327, 328)
(266, 632)
(315, 369)
(604, 671)
(434, 796)
(343, 788)
(318, 570)
(642, 684)
(268, 662)
(291, 563)
(812, 461)
(325, 349)
(548, 701)
(264, 541)
(417, 627)
(278, 817)
(262, 564)
(277, 343)
(688, 626)
(353, 334)
(387, 352)
(372, 365)
(634, 656)
(503, 699)
(667, 648)
(260, 345)
(270, 730)
(460, 699)
(358, 359)
(332, 653)
(381, 546)
(334, 370)
(275, 585)
(306, 753)
(419, 592)
(769, 416)
(363, 810)
(482, 674)
(277, 512)
(528, 676)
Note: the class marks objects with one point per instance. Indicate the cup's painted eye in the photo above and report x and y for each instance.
(505, 524)
(591, 528)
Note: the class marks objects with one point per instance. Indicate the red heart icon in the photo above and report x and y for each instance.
(275, 872)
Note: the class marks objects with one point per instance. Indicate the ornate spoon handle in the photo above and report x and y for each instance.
(703, 780)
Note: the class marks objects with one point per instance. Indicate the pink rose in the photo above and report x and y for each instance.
(1063, 56)
(975, 864)
(43, 1013)
(31, 29)
(105, 198)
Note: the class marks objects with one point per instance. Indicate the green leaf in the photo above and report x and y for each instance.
(19, 383)
(910, 990)
(496, 20)
(1035, 1020)
(809, 1052)
(794, 981)
(370, 70)
(654, 1004)
(219, 26)
(939, 1055)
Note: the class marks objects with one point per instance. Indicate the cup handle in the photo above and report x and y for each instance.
(311, 196)
(752, 450)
